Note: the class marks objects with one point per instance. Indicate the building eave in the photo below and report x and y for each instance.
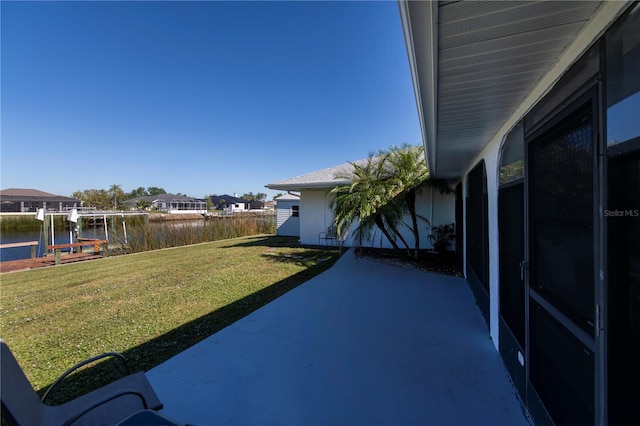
(307, 186)
(478, 67)
(423, 39)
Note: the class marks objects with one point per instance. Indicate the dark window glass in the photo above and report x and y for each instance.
(622, 215)
(623, 226)
(623, 80)
(459, 220)
(511, 242)
(477, 225)
(512, 156)
(562, 370)
(295, 211)
(564, 267)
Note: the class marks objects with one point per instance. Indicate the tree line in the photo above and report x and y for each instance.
(111, 198)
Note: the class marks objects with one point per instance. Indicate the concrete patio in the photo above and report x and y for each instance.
(362, 344)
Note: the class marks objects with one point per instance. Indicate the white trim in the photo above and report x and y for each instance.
(424, 12)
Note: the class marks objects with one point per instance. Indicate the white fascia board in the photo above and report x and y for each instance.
(424, 80)
(305, 186)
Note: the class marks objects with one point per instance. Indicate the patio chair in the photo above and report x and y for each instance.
(331, 234)
(107, 405)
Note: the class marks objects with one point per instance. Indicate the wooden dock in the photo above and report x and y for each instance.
(42, 262)
(32, 244)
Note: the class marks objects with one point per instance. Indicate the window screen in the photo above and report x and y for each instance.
(477, 225)
(562, 370)
(511, 241)
(562, 218)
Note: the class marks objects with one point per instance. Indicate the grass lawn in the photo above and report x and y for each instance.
(148, 306)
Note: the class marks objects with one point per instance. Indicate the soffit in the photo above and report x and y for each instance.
(490, 55)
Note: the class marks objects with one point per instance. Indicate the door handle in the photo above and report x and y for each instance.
(523, 265)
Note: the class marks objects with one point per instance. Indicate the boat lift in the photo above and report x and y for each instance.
(74, 218)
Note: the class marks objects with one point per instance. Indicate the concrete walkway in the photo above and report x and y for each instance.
(361, 344)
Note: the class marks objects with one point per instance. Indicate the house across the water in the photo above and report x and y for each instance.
(230, 203)
(176, 204)
(18, 200)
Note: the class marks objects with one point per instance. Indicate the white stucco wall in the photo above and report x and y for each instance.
(444, 211)
(316, 217)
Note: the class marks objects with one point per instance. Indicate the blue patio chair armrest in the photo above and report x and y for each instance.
(73, 418)
(83, 363)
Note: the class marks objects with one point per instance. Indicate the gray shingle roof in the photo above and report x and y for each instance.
(27, 192)
(320, 179)
(288, 197)
(228, 199)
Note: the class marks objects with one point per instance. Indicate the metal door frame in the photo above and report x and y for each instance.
(589, 93)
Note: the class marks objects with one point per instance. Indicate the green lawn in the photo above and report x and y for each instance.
(148, 306)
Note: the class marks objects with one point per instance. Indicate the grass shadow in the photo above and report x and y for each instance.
(160, 349)
(306, 258)
(269, 241)
(278, 241)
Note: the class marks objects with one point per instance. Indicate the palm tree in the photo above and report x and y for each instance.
(367, 198)
(115, 190)
(411, 173)
(381, 191)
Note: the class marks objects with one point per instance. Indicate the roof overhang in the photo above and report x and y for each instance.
(475, 64)
(311, 186)
(421, 42)
(319, 180)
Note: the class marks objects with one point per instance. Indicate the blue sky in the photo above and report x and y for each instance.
(200, 97)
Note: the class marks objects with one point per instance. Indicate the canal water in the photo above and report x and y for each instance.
(140, 237)
(60, 237)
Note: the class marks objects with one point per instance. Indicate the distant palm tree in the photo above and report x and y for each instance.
(115, 190)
